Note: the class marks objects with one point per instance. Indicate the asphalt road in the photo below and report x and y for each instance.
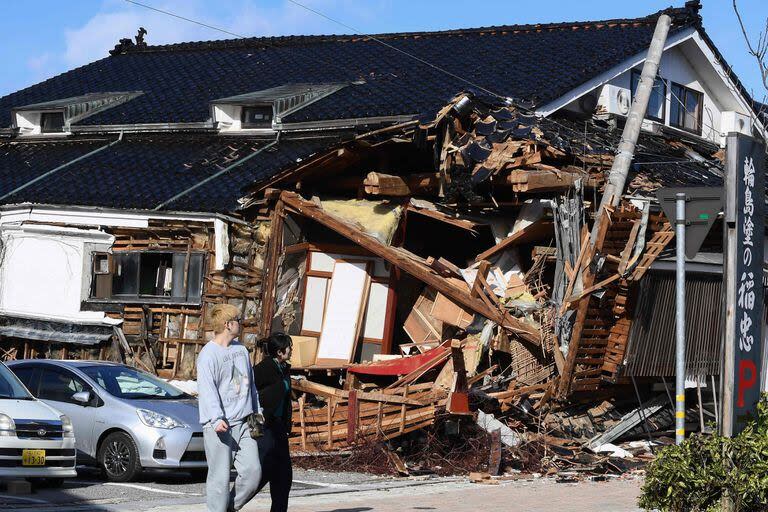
(91, 492)
(318, 491)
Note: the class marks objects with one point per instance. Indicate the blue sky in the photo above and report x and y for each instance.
(46, 37)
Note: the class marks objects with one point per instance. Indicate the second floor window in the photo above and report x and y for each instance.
(52, 122)
(685, 108)
(256, 117)
(142, 276)
(657, 101)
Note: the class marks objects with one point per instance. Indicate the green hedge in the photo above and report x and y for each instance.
(694, 476)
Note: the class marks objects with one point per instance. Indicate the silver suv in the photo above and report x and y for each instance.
(124, 419)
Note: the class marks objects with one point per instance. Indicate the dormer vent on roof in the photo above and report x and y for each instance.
(56, 116)
(265, 109)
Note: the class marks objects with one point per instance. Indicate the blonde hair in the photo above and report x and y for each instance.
(221, 314)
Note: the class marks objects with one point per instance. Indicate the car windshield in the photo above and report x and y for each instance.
(124, 382)
(11, 386)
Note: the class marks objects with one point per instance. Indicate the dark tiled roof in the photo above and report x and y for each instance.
(532, 62)
(144, 171)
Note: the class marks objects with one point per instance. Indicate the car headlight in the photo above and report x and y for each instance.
(157, 420)
(66, 426)
(7, 426)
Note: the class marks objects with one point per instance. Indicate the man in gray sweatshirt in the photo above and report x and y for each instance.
(227, 396)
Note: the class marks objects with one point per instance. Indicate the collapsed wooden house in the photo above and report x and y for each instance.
(365, 212)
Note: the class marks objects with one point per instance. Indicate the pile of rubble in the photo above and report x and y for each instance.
(524, 340)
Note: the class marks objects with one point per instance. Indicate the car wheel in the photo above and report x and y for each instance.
(119, 457)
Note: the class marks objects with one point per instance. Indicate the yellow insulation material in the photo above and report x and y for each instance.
(377, 218)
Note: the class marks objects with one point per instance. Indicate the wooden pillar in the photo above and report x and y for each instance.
(352, 416)
(271, 268)
(302, 422)
(330, 423)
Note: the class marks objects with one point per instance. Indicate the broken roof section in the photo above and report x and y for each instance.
(483, 151)
(532, 62)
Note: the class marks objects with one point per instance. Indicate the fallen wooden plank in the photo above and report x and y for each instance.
(410, 264)
(529, 234)
(329, 391)
(465, 224)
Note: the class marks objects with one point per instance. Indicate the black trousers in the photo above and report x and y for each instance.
(276, 466)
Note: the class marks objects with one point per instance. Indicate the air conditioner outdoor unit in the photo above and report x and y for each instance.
(731, 121)
(614, 100)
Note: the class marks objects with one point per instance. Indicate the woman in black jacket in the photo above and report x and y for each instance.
(273, 380)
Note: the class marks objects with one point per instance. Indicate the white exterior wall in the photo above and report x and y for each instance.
(687, 61)
(45, 269)
(675, 67)
(45, 272)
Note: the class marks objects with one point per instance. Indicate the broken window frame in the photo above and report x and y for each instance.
(634, 80)
(679, 106)
(351, 252)
(187, 290)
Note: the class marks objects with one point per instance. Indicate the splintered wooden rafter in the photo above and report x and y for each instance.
(412, 265)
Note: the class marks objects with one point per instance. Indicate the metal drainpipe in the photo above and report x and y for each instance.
(62, 166)
(213, 177)
(626, 150)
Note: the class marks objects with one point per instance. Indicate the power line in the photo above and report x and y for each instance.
(506, 99)
(436, 67)
(373, 38)
(262, 40)
(168, 13)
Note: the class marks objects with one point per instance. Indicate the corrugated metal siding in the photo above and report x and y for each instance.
(651, 351)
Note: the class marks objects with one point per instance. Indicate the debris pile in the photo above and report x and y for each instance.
(443, 273)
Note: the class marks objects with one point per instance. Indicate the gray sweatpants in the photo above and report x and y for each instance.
(221, 450)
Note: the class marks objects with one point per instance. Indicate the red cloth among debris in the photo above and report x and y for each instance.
(401, 366)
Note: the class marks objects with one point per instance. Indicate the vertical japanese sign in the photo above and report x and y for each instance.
(748, 212)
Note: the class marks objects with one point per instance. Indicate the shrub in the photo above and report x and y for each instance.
(695, 475)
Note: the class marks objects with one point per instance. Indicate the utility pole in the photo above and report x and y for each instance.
(680, 199)
(617, 178)
(680, 319)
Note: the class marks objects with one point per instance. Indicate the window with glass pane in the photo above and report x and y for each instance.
(125, 280)
(657, 100)
(174, 276)
(51, 122)
(256, 117)
(60, 386)
(686, 108)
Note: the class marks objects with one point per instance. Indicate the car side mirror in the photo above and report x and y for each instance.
(84, 397)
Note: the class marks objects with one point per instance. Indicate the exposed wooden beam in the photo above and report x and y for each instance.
(272, 267)
(531, 233)
(377, 183)
(467, 224)
(412, 265)
(588, 279)
(386, 185)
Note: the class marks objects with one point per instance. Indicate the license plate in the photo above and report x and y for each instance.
(33, 458)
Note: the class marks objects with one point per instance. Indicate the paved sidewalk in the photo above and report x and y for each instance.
(460, 496)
